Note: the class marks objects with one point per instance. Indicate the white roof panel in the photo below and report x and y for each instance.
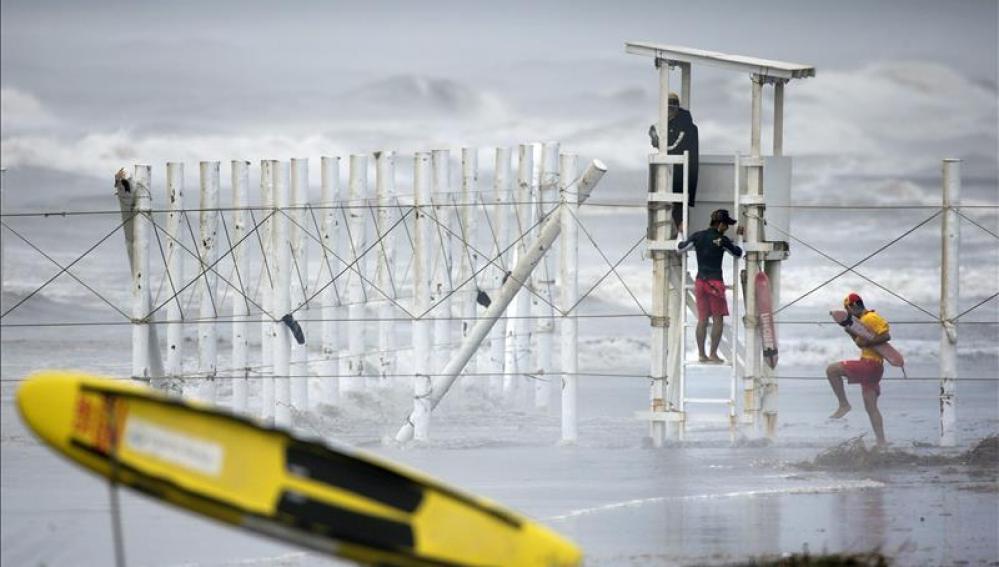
(764, 67)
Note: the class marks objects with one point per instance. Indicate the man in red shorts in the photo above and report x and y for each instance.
(867, 371)
(709, 289)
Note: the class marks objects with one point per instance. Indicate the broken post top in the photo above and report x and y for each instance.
(763, 67)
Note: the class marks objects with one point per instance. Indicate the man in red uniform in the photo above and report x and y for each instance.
(866, 371)
(709, 289)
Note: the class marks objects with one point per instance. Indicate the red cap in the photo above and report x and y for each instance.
(851, 299)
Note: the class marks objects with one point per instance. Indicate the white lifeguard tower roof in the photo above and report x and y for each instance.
(764, 67)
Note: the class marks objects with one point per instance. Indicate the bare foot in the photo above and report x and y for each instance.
(840, 412)
(703, 359)
(716, 359)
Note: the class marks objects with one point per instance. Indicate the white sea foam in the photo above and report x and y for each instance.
(841, 486)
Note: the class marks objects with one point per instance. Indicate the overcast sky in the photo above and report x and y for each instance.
(86, 84)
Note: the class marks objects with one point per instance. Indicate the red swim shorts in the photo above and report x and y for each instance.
(710, 295)
(865, 372)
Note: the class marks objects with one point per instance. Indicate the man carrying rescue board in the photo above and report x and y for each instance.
(868, 370)
(709, 288)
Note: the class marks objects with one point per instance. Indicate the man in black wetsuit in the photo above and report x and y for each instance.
(683, 137)
(709, 288)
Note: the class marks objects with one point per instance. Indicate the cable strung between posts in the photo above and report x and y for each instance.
(383, 259)
(235, 266)
(211, 268)
(326, 260)
(976, 306)
(851, 268)
(613, 267)
(66, 268)
(348, 265)
(622, 204)
(967, 218)
(352, 265)
(204, 272)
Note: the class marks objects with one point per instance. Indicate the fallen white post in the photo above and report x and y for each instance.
(331, 238)
(281, 272)
(949, 294)
(569, 268)
(240, 306)
(299, 281)
(420, 418)
(427, 399)
(207, 333)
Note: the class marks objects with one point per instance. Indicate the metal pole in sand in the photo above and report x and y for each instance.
(282, 298)
(299, 281)
(208, 312)
(357, 187)
(569, 268)
(331, 238)
(385, 197)
(518, 329)
(949, 294)
(501, 215)
(660, 232)
(440, 291)
(468, 260)
(428, 399)
(139, 249)
(544, 282)
(174, 269)
(754, 214)
(422, 329)
(240, 181)
(267, 328)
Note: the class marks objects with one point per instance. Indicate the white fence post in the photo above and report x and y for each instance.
(332, 241)
(240, 306)
(440, 294)
(501, 216)
(521, 273)
(282, 298)
(139, 251)
(385, 196)
(207, 252)
(422, 340)
(357, 186)
(949, 295)
(267, 328)
(569, 268)
(174, 269)
(519, 327)
(299, 281)
(469, 259)
(544, 280)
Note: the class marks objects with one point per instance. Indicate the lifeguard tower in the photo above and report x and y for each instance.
(756, 188)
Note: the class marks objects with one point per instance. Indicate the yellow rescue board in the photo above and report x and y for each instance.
(332, 499)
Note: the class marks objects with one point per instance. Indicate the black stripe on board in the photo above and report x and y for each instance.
(319, 448)
(171, 492)
(344, 471)
(332, 521)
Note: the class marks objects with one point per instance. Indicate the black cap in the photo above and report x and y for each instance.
(721, 215)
